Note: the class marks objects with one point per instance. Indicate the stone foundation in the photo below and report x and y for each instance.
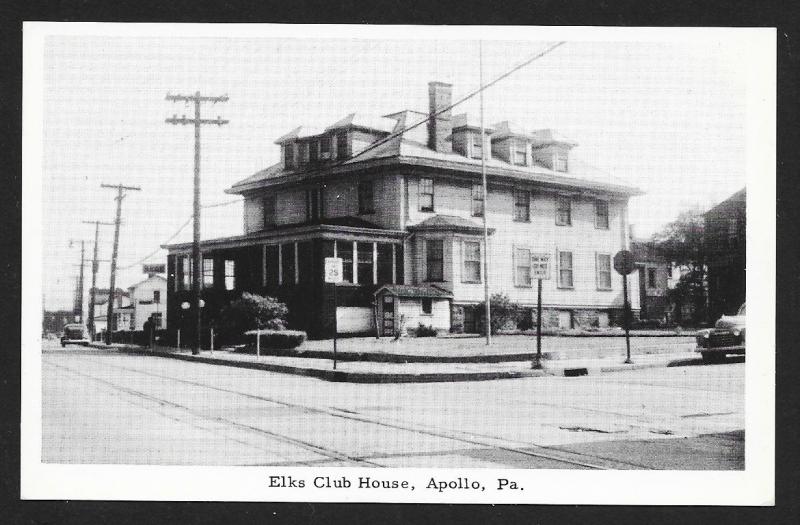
(576, 318)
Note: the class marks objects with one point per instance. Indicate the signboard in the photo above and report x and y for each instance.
(624, 263)
(540, 266)
(333, 269)
(154, 268)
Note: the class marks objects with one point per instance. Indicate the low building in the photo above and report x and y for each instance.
(725, 246)
(654, 273)
(403, 206)
(148, 299)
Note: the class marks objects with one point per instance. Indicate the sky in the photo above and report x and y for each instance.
(668, 117)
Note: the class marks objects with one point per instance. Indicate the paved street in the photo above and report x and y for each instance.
(100, 406)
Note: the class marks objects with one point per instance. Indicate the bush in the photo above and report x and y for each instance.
(275, 339)
(503, 312)
(425, 331)
(250, 312)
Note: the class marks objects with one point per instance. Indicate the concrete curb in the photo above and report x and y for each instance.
(342, 376)
(549, 369)
(375, 357)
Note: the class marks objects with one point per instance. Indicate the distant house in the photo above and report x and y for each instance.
(122, 310)
(148, 298)
(725, 245)
(655, 273)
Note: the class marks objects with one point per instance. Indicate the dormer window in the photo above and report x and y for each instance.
(519, 153)
(302, 152)
(288, 155)
(560, 161)
(313, 151)
(341, 145)
(477, 145)
(325, 148)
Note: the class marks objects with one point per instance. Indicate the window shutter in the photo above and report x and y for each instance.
(514, 263)
(597, 269)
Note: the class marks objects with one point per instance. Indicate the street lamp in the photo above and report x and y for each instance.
(185, 306)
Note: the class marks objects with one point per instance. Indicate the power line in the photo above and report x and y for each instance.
(180, 229)
(451, 106)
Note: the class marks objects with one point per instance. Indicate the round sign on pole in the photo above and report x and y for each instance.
(624, 263)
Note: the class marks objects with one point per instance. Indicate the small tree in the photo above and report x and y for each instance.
(682, 242)
(503, 312)
(250, 312)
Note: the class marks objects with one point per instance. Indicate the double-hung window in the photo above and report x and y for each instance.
(365, 262)
(522, 267)
(344, 250)
(366, 201)
(341, 145)
(208, 272)
(651, 278)
(522, 205)
(565, 270)
(313, 151)
(269, 211)
(288, 155)
(186, 274)
(601, 215)
(434, 259)
(477, 200)
(472, 262)
(477, 145)
(426, 195)
(519, 152)
(325, 148)
(603, 271)
(312, 204)
(560, 163)
(230, 274)
(564, 211)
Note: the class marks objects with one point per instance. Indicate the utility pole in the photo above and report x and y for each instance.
(112, 287)
(78, 307)
(95, 261)
(488, 312)
(197, 99)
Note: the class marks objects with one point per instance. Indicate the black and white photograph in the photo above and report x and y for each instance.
(398, 264)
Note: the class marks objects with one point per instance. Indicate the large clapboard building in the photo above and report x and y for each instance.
(404, 211)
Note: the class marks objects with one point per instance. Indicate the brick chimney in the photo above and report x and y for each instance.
(440, 95)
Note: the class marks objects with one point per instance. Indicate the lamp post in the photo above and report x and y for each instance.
(184, 307)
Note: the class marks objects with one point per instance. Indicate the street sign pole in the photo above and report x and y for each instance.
(333, 275)
(335, 326)
(627, 321)
(540, 269)
(537, 364)
(624, 264)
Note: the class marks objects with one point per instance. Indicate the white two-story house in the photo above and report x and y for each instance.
(403, 207)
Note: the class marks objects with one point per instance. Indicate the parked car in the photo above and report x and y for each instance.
(75, 334)
(727, 337)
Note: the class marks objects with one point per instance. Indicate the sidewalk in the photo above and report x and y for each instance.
(416, 372)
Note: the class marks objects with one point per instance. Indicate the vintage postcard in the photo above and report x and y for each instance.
(398, 264)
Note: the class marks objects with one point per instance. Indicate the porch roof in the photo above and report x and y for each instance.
(415, 291)
(449, 223)
(330, 228)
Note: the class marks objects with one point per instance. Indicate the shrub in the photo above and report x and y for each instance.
(425, 331)
(275, 339)
(250, 312)
(503, 312)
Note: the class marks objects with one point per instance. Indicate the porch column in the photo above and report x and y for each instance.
(374, 263)
(280, 264)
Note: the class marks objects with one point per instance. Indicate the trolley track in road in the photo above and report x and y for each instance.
(531, 450)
